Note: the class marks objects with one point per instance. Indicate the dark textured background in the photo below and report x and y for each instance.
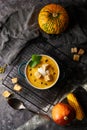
(75, 35)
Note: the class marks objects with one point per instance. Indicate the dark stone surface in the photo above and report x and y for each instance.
(11, 119)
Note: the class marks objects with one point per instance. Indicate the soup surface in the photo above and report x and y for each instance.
(42, 82)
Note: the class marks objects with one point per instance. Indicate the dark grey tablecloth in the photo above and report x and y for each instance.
(18, 28)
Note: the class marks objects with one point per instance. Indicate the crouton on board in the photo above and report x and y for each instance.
(17, 87)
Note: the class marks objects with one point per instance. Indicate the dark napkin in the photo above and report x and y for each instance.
(18, 28)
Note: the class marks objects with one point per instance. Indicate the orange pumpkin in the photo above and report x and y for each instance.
(53, 19)
(63, 114)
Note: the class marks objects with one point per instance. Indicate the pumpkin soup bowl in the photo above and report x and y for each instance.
(44, 75)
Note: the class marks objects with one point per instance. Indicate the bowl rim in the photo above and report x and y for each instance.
(53, 82)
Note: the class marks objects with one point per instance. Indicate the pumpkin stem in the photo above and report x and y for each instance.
(55, 14)
(65, 118)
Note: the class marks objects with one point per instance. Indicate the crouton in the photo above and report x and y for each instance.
(17, 87)
(47, 72)
(76, 57)
(45, 66)
(81, 52)
(48, 77)
(37, 75)
(74, 50)
(14, 80)
(6, 94)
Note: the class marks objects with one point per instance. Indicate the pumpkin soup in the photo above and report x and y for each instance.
(43, 75)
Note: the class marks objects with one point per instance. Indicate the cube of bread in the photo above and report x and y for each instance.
(6, 94)
(47, 72)
(45, 66)
(37, 75)
(74, 50)
(76, 57)
(17, 87)
(48, 77)
(81, 52)
(14, 80)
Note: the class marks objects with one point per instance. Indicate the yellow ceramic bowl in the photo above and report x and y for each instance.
(41, 83)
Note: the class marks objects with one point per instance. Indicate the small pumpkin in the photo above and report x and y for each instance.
(63, 114)
(53, 19)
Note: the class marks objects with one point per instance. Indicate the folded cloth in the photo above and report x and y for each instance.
(18, 28)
